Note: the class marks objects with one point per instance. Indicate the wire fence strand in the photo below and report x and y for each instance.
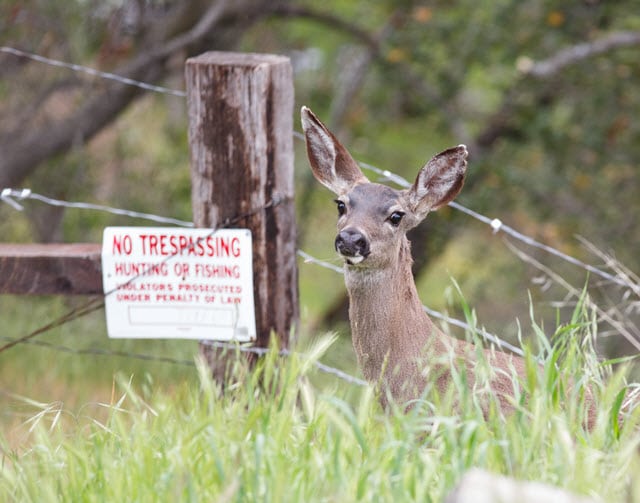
(498, 226)
(9, 196)
(12, 196)
(101, 352)
(494, 339)
(285, 352)
(97, 303)
(340, 374)
(495, 223)
(92, 72)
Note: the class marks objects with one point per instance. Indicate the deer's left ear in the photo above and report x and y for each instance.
(439, 181)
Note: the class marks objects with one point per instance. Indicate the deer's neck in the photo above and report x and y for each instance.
(389, 327)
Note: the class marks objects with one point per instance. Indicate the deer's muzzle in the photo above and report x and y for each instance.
(352, 245)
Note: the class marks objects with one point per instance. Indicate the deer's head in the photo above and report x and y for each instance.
(373, 218)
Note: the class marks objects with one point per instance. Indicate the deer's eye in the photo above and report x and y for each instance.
(341, 207)
(395, 218)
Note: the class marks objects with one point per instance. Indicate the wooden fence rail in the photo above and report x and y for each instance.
(50, 269)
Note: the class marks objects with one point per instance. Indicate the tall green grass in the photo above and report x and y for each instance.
(275, 436)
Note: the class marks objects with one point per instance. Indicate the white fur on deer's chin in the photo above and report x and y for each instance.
(354, 260)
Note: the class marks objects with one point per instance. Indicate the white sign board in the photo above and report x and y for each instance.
(162, 282)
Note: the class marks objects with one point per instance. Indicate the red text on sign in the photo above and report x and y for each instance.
(166, 245)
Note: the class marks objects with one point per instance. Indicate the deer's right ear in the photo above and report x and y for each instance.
(439, 181)
(331, 163)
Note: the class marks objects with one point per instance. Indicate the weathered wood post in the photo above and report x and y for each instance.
(241, 141)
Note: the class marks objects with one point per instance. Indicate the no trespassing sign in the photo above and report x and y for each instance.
(162, 282)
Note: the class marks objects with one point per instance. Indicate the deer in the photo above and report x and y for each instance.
(397, 345)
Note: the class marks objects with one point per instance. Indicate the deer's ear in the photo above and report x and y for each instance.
(331, 163)
(439, 181)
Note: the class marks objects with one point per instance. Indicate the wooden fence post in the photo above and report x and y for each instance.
(241, 141)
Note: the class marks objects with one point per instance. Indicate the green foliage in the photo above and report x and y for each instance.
(274, 436)
(74, 365)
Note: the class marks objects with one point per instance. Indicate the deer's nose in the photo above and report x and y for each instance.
(352, 243)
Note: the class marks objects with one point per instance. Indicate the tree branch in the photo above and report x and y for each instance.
(501, 124)
(20, 158)
(574, 54)
(374, 44)
(335, 22)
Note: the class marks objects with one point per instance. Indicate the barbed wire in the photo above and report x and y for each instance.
(285, 352)
(309, 259)
(92, 72)
(101, 352)
(498, 226)
(98, 303)
(73, 314)
(9, 196)
(495, 223)
(93, 304)
(189, 363)
(494, 339)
